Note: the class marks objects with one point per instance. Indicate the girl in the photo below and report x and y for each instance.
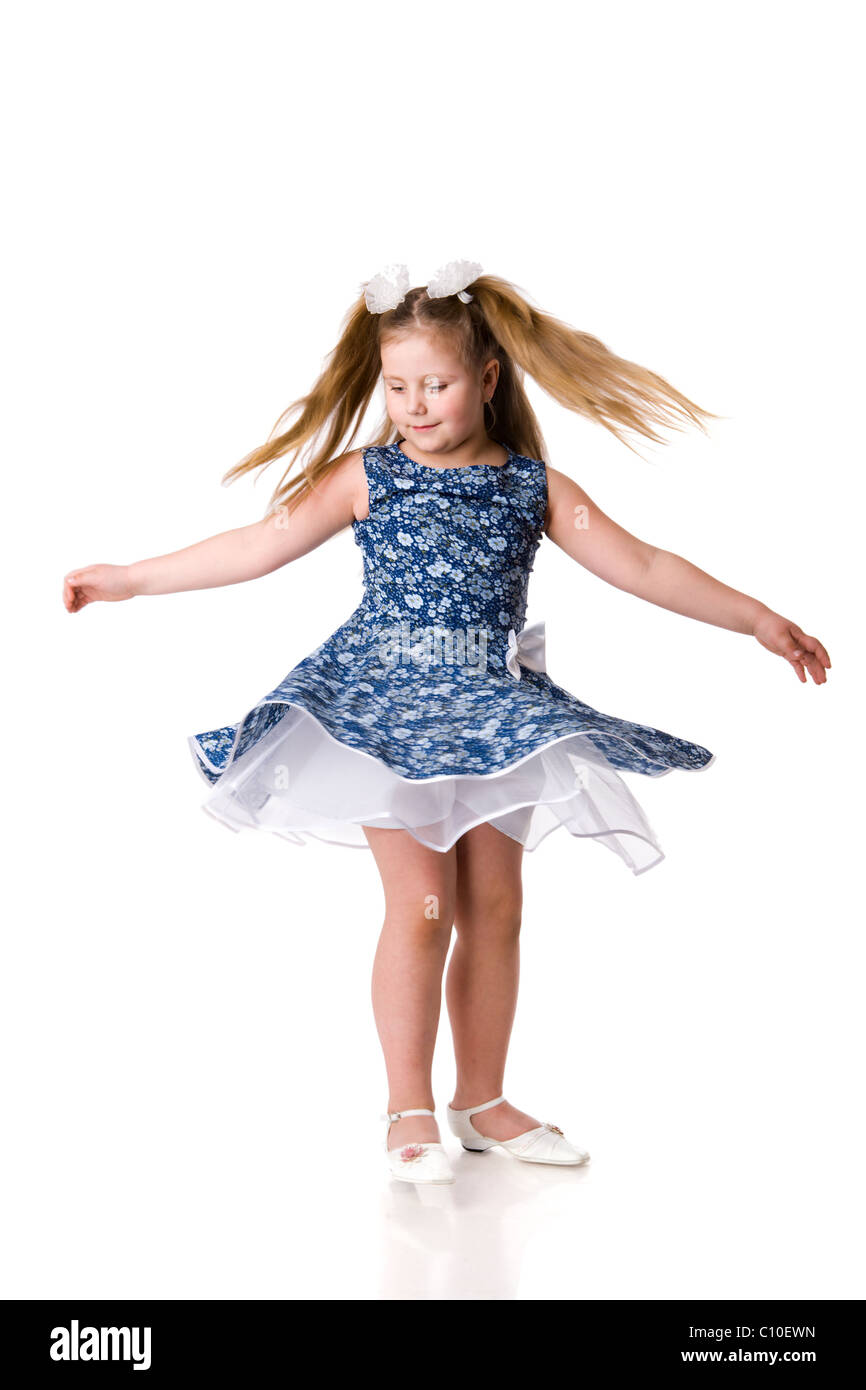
(426, 727)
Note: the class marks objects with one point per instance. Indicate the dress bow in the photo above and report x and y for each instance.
(526, 648)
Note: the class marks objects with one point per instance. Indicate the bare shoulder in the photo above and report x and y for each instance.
(559, 484)
(350, 468)
(344, 486)
(563, 494)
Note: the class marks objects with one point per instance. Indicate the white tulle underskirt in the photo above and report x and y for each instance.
(300, 782)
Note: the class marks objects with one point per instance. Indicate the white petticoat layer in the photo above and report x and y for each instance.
(299, 781)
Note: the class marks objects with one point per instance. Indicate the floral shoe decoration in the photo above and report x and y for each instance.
(414, 1162)
(410, 1152)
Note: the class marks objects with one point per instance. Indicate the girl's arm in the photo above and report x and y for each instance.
(582, 530)
(231, 557)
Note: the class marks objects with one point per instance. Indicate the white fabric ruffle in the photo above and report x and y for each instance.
(299, 781)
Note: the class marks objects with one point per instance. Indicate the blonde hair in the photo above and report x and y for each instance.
(574, 368)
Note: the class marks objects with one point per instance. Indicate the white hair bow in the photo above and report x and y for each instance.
(526, 648)
(390, 287)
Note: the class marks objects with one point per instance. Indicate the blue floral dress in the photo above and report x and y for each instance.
(429, 709)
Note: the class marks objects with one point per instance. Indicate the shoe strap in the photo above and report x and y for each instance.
(398, 1114)
(474, 1109)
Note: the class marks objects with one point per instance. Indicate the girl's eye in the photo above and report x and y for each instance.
(430, 386)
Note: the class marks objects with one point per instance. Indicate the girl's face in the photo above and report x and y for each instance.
(435, 402)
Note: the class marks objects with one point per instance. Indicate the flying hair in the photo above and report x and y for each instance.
(576, 369)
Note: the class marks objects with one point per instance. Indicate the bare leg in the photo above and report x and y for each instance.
(483, 975)
(419, 885)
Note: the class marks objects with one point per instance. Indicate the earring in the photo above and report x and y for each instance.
(492, 413)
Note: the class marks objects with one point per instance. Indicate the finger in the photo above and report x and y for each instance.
(820, 651)
(811, 650)
(816, 670)
(801, 674)
(807, 643)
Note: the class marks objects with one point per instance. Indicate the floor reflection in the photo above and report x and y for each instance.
(467, 1240)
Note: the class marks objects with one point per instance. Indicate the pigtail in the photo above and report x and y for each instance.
(331, 411)
(579, 371)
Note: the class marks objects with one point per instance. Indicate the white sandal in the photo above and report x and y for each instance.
(421, 1162)
(546, 1144)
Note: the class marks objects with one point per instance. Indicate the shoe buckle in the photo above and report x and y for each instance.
(555, 1128)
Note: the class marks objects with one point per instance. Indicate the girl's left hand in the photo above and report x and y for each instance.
(786, 639)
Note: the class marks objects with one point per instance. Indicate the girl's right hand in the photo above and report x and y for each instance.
(108, 583)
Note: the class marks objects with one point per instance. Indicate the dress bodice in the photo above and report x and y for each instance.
(451, 548)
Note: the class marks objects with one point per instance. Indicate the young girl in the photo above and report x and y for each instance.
(425, 727)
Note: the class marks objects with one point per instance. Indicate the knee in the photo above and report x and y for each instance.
(438, 910)
(430, 913)
(500, 916)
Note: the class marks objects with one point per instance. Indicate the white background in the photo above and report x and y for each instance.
(192, 1077)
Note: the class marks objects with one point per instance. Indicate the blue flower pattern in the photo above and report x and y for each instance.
(451, 548)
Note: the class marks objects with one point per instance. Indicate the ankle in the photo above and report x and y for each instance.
(412, 1105)
(413, 1129)
(475, 1095)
